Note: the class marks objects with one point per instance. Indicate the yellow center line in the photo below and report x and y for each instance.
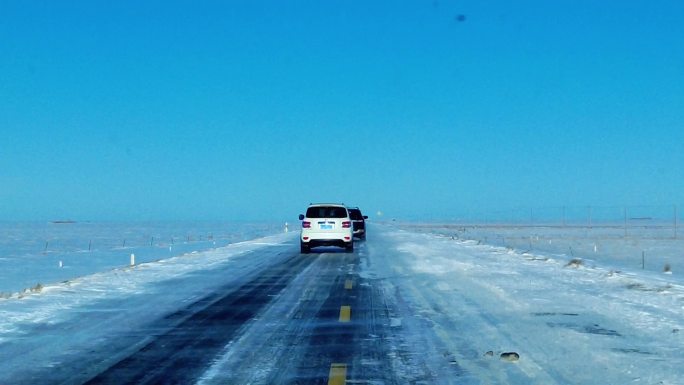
(345, 313)
(348, 284)
(338, 374)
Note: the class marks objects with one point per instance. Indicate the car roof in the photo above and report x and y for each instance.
(326, 204)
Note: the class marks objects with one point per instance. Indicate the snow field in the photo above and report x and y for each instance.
(455, 305)
(578, 325)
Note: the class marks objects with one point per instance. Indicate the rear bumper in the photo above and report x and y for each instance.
(326, 242)
(314, 238)
(344, 236)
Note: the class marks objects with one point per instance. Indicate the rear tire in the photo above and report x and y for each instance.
(349, 248)
(304, 248)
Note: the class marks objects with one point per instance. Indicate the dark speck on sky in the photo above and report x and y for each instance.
(460, 18)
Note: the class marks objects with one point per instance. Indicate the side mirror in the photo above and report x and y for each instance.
(365, 217)
(301, 217)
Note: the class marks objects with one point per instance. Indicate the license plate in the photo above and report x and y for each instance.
(326, 226)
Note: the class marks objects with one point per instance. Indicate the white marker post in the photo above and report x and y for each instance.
(132, 259)
(286, 227)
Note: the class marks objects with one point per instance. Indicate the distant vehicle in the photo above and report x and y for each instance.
(326, 224)
(358, 222)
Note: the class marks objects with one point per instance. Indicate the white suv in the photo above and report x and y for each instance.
(326, 224)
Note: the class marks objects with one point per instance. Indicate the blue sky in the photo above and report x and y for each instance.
(250, 110)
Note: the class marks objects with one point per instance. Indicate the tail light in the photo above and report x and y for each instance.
(346, 224)
(306, 225)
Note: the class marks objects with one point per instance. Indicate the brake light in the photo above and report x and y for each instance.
(306, 225)
(346, 224)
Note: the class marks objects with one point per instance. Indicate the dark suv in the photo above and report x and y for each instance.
(358, 222)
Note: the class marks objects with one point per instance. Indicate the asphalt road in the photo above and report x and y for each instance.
(305, 319)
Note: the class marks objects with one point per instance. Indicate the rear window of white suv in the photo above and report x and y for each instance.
(326, 212)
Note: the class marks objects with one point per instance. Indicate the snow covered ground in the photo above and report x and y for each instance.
(571, 323)
(86, 319)
(655, 247)
(456, 305)
(34, 254)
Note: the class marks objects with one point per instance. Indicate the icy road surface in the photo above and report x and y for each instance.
(404, 308)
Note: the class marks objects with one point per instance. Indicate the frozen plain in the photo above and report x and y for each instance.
(451, 303)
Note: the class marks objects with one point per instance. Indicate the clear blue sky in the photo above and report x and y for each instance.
(131, 110)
